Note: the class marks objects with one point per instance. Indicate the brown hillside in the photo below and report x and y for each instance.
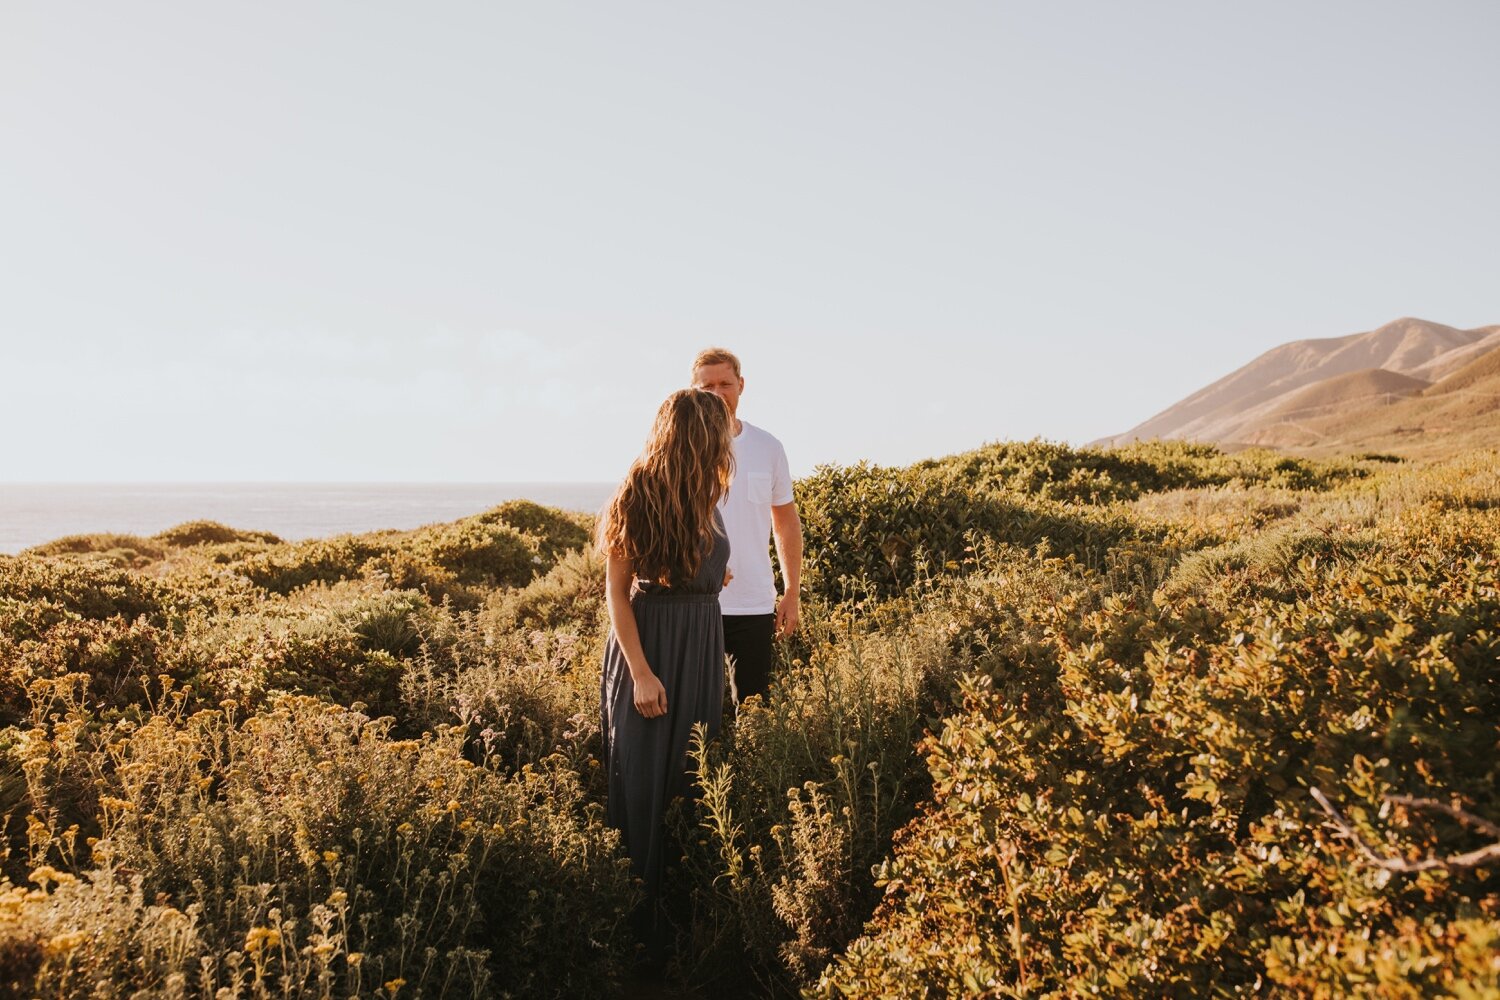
(1233, 408)
(1446, 364)
(1356, 390)
(1482, 369)
(1422, 426)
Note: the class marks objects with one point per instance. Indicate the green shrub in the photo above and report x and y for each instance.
(518, 708)
(304, 851)
(556, 531)
(479, 554)
(116, 656)
(122, 550)
(459, 560)
(1165, 647)
(1270, 555)
(325, 560)
(570, 596)
(1092, 475)
(349, 643)
(1201, 516)
(826, 761)
(873, 531)
(195, 533)
(1136, 821)
(84, 588)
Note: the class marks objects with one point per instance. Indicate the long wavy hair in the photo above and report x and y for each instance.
(663, 513)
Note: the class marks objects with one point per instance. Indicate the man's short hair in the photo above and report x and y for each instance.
(717, 356)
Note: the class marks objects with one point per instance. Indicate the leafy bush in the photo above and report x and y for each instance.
(479, 554)
(1136, 821)
(800, 797)
(304, 851)
(873, 531)
(556, 531)
(517, 709)
(1203, 516)
(347, 642)
(459, 560)
(129, 551)
(1097, 476)
(285, 568)
(67, 588)
(1162, 648)
(569, 596)
(194, 533)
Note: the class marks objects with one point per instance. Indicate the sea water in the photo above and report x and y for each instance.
(32, 513)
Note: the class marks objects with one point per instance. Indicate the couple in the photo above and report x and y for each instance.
(689, 579)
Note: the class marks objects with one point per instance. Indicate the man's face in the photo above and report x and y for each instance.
(720, 380)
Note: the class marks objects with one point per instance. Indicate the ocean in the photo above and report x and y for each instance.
(32, 513)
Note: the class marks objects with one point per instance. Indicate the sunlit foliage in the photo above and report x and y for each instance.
(1049, 729)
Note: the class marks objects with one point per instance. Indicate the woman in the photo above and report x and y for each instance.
(664, 659)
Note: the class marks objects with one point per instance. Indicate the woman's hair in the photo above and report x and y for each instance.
(663, 512)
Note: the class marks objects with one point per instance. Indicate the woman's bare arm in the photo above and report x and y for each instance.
(649, 695)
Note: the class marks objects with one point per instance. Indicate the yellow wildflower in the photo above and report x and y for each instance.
(66, 942)
(262, 937)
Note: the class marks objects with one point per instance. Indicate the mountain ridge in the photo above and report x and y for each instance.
(1328, 380)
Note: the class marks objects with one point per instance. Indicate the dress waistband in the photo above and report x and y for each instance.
(674, 598)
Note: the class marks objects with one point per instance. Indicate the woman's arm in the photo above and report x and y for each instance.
(650, 696)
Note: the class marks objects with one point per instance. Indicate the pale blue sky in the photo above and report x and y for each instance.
(480, 241)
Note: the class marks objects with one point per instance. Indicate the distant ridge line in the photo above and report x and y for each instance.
(1327, 383)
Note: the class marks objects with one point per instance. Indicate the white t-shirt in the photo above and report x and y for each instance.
(762, 480)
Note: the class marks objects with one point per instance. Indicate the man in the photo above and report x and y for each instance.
(759, 505)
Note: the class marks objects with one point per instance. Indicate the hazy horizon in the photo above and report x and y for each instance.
(349, 243)
(35, 513)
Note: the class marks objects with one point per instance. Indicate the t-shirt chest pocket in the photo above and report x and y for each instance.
(758, 489)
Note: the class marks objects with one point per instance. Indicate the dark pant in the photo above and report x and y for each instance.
(749, 647)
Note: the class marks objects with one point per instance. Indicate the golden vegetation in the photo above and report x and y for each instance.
(1051, 728)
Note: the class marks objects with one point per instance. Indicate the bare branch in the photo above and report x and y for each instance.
(1466, 818)
(1457, 862)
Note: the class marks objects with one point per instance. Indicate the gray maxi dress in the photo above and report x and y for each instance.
(646, 761)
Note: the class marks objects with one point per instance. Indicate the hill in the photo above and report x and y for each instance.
(1462, 411)
(1345, 391)
(1357, 392)
(1319, 393)
(1444, 365)
(1482, 371)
